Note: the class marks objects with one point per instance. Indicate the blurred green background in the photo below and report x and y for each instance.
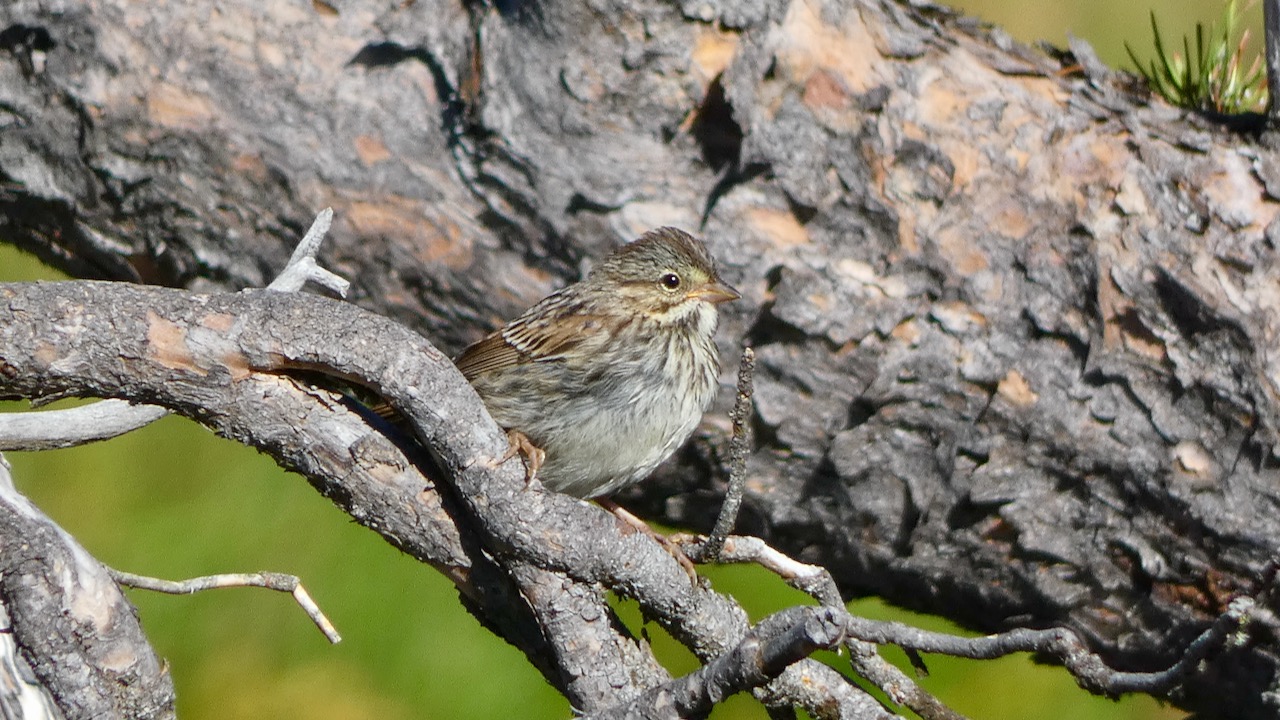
(175, 501)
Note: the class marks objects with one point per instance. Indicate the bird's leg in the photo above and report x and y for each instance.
(673, 549)
(534, 456)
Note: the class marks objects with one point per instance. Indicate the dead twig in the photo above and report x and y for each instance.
(739, 448)
(270, 580)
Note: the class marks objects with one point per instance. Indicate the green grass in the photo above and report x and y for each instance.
(1215, 73)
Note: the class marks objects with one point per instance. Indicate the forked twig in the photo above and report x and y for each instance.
(302, 266)
(1062, 643)
(103, 420)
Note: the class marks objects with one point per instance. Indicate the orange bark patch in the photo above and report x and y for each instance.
(1012, 222)
(46, 354)
(907, 332)
(805, 45)
(236, 364)
(780, 226)
(1109, 153)
(712, 52)
(167, 344)
(432, 238)
(966, 160)
(907, 239)
(940, 102)
(371, 149)
(955, 245)
(824, 90)
(221, 322)
(249, 164)
(1087, 160)
(1015, 388)
(171, 106)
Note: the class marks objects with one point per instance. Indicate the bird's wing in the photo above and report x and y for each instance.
(545, 332)
(491, 353)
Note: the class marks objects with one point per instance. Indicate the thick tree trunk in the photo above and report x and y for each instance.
(1015, 323)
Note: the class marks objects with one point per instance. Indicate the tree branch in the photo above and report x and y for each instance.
(739, 449)
(213, 358)
(765, 652)
(75, 629)
(51, 429)
(279, 582)
(989, 288)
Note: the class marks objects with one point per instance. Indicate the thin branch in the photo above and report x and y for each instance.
(1064, 644)
(767, 650)
(302, 266)
(53, 429)
(739, 448)
(811, 579)
(817, 582)
(1088, 669)
(865, 659)
(270, 580)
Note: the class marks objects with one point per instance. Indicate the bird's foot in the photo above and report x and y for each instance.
(534, 456)
(640, 525)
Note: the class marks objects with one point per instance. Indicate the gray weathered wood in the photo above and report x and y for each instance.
(1015, 322)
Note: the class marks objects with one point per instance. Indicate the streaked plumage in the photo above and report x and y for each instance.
(610, 375)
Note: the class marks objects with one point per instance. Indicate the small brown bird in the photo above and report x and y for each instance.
(610, 375)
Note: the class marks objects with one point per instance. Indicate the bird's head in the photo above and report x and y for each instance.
(666, 275)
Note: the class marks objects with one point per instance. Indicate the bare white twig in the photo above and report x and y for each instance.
(53, 429)
(1089, 670)
(811, 579)
(302, 265)
(818, 583)
(269, 580)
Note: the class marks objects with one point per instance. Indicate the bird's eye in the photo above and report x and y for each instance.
(670, 281)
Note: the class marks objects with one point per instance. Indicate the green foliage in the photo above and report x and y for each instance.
(1212, 78)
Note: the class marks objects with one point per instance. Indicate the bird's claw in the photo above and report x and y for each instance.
(671, 547)
(520, 444)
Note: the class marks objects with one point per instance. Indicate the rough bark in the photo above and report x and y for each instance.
(225, 360)
(1015, 323)
(76, 632)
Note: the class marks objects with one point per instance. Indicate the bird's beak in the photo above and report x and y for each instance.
(715, 292)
